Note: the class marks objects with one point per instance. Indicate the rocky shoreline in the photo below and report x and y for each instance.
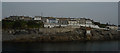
(58, 35)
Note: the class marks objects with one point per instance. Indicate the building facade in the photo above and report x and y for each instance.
(38, 18)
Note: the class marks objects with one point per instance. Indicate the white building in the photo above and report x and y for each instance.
(72, 22)
(88, 31)
(50, 25)
(82, 22)
(37, 18)
(89, 23)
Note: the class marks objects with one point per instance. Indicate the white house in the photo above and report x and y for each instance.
(89, 22)
(72, 22)
(88, 31)
(50, 25)
(52, 20)
(37, 18)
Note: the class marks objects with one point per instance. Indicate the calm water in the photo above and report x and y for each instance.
(63, 46)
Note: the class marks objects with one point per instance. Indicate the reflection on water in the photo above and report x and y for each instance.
(63, 46)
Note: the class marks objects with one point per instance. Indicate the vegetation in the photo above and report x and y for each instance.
(21, 24)
(34, 24)
(101, 25)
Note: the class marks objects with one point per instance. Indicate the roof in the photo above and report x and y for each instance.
(62, 18)
(72, 20)
(52, 19)
(38, 16)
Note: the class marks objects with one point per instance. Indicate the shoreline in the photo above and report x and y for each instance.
(59, 41)
(14, 41)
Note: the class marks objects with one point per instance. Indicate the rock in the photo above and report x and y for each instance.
(67, 35)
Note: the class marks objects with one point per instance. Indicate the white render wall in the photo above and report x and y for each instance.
(37, 18)
(85, 25)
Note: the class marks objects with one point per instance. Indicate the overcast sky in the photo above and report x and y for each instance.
(0, 10)
(60, 0)
(103, 12)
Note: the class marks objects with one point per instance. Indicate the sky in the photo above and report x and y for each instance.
(119, 13)
(60, 0)
(0, 10)
(98, 11)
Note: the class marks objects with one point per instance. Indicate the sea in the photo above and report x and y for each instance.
(111, 45)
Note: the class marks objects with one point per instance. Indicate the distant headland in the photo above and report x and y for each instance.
(39, 28)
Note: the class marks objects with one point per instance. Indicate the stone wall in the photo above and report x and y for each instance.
(55, 30)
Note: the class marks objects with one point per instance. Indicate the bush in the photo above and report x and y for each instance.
(21, 24)
(100, 25)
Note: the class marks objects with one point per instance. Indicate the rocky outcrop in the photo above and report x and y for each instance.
(104, 35)
(31, 35)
